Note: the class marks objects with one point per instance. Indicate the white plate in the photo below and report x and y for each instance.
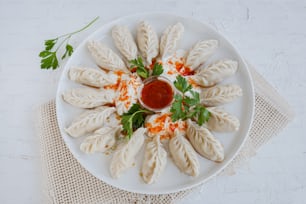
(172, 180)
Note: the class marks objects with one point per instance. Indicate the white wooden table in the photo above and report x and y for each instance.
(271, 35)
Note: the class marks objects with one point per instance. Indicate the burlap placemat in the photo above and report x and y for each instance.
(66, 181)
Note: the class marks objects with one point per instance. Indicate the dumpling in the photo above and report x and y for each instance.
(124, 42)
(177, 125)
(220, 94)
(124, 156)
(102, 140)
(183, 154)
(170, 39)
(221, 121)
(204, 142)
(90, 121)
(105, 57)
(92, 77)
(147, 40)
(157, 124)
(200, 52)
(88, 98)
(155, 160)
(127, 94)
(215, 73)
(161, 125)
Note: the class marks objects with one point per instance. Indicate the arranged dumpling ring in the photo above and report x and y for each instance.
(108, 91)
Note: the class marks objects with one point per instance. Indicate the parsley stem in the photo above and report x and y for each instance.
(77, 31)
(49, 55)
(65, 40)
(72, 33)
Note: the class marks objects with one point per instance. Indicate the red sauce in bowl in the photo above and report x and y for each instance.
(157, 94)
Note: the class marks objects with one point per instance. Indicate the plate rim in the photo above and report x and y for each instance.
(143, 14)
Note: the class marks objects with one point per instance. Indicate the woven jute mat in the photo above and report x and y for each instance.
(66, 181)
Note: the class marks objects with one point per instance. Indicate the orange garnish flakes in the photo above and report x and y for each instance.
(119, 73)
(154, 129)
(113, 86)
(170, 72)
(192, 82)
(124, 95)
(180, 125)
(123, 92)
(179, 65)
(165, 137)
(183, 70)
(116, 85)
(159, 124)
(162, 118)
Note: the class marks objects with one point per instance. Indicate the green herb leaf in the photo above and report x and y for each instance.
(49, 44)
(49, 55)
(49, 60)
(191, 114)
(203, 115)
(194, 100)
(127, 124)
(69, 51)
(133, 119)
(177, 108)
(140, 68)
(157, 69)
(44, 53)
(181, 84)
(185, 107)
(135, 107)
(143, 73)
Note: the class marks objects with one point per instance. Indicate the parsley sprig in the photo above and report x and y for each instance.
(184, 106)
(133, 119)
(140, 68)
(157, 69)
(49, 54)
(142, 71)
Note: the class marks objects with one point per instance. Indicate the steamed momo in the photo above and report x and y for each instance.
(183, 154)
(102, 140)
(127, 94)
(157, 124)
(155, 160)
(91, 77)
(215, 73)
(105, 57)
(88, 98)
(90, 121)
(124, 156)
(161, 125)
(200, 52)
(147, 40)
(221, 121)
(204, 142)
(124, 41)
(170, 39)
(220, 94)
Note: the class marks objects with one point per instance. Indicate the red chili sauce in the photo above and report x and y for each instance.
(157, 94)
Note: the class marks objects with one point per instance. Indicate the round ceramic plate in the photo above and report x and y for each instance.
(171, 180)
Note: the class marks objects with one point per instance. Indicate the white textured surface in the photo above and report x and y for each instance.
(270, 34)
